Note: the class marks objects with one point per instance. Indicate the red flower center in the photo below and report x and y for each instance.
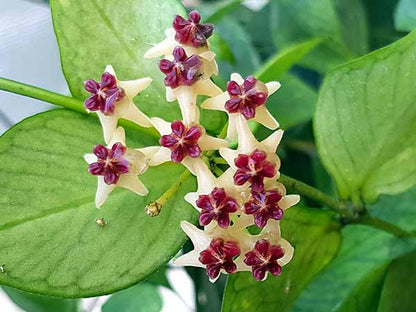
(253, 168)
(104, 95)
(191, 32)
(182, 141)
(182, 71)
(264, 206)
(110, 163)
(216, 206)
(264, 258)
(220, 255)
(246, 98)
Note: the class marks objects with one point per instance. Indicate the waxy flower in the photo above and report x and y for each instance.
(264, 258)
(116, 165)
(244, 98)
(264, 205)
(181, 143)
(112, 99)
(191, 32)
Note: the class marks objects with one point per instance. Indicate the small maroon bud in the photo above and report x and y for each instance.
(182, 141)
(191, 32)
(182, 71)
(264, 206)
(264, 258)
(104, 95)
(216, 206)
(220, 255)
(246, 98)
(253, 168)
(110, 163)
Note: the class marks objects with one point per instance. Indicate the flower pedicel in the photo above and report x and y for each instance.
(247, 194)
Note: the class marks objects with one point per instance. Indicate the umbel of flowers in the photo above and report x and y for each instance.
(247, 194)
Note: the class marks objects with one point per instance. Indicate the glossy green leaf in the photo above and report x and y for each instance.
(94, 33)
(143, 297)
(405, 16)
(399, 210)
(365, 123)
(50, 243)
(36, 303)
(363, 251)
(345, 30)
(316, 239)
(399, 289)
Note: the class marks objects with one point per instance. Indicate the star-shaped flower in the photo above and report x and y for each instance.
(117, 165)
(264, 206)
(181, 143)
(112, 99)
(191, 32)
(244, 98)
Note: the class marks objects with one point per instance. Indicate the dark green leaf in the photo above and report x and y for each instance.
(36, 303)
(399, 286)
(94, 33)
(365, 123)
(363, 251)
(50, 243)
(405, 17)
(143, 297)
(316, 239)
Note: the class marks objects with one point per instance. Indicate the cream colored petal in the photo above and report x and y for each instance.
(109, 69)
(271, 231)
(271, 143)
(264, 117)
(170, 96)
(109, 124)
(289, 250)
(103, 191)
(209, 65)
(272, 87)
(149, 151)
(206, 87)
(199, 238)
(189, 163)
(119, 136)
(187, 103)
(229, 155)
(273, 184)
(289, 201)
(134, 87)
(232, 133)
(132, 183)
(207, 143)
(163, 127)
(246, 140)
(165, 47)
(160, 157)
(134, 114)
(90, 158)
(192, 198)
(206, 180)
(237, 78)
(217, 102)
(208, 55)
(189, 259)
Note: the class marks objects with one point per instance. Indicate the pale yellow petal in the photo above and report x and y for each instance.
(272, 87)
(109, 124)
(237, 78)
(289, 201)
(90, 158)
(133, 183)
(207, 143)
(264, 117)
(217, 102)
(134, 87)
(162, 126)
(134, 114)
(103, 191)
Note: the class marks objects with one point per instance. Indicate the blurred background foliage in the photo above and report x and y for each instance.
(316, 36)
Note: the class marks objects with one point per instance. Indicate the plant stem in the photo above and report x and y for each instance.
(369, 220)
(316, 195)
(60, 100)
(41, 94)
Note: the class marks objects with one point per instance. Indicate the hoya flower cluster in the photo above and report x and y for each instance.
(245, 196)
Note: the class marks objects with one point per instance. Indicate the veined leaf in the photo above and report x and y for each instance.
(365, 123)
(50, 243)
(316, 239)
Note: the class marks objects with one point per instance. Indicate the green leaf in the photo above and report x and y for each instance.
(398, 210)
(316, 239)
(399, 289)
(50, 243)
(36, 303)
(363, 251)
(345, 30)
(365, 123)
(94, 33)
(143, 297)
(216, 11)
(405, 16)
